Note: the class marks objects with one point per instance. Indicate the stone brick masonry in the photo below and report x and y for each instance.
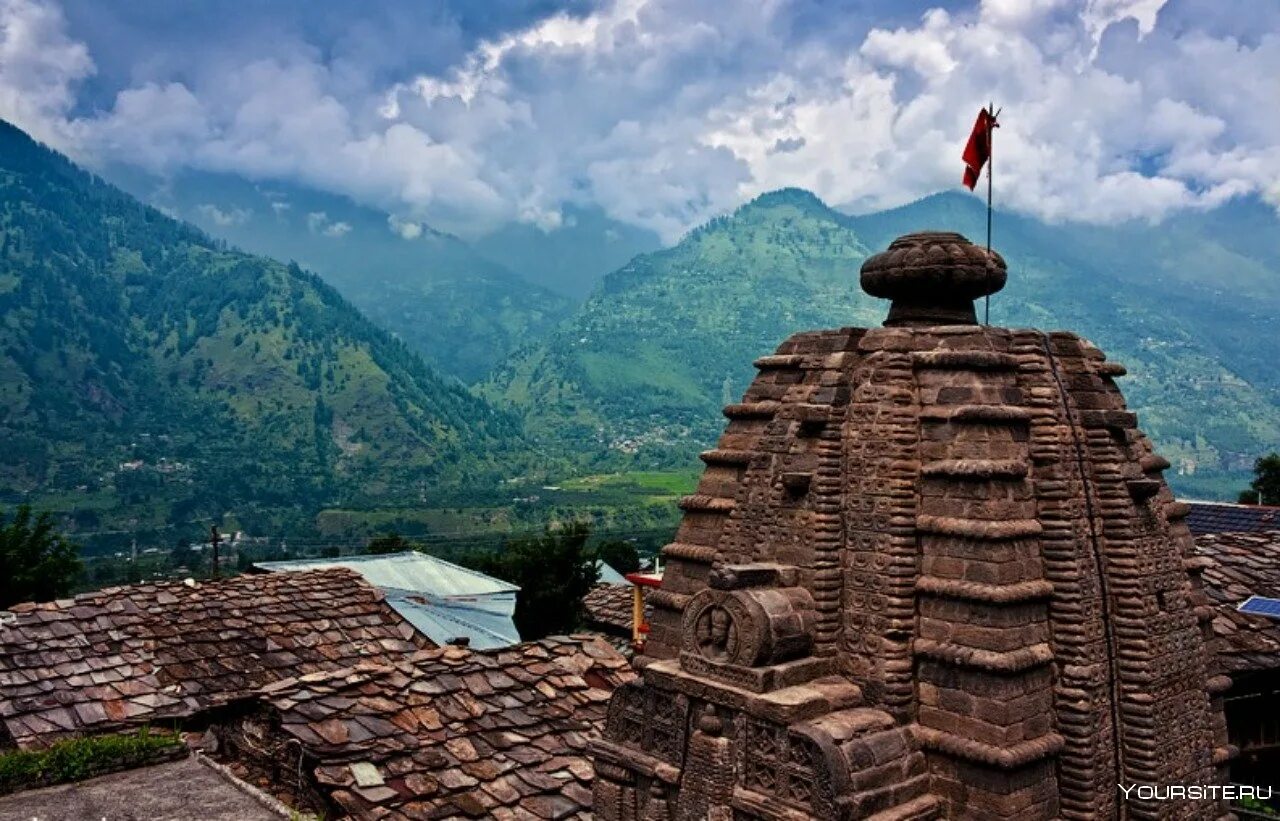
(931, 570)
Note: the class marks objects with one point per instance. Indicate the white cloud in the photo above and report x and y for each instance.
(667, 112)
(318, 222)
(406, 229)
(40, 67)
(224, 217)
(924, 50)
(1098, 15)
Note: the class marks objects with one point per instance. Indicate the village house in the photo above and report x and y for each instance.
(317, 663)
(447, 603)
(1238, 566)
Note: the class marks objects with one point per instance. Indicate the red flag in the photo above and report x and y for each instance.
(978, 149)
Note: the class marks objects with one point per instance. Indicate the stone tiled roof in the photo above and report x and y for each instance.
(130, 655)
(453, 732)
(1242, 565)
(1222, 517)
(443, 600)
(609, 606)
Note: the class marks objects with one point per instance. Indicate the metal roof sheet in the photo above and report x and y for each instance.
(442, 600)
(407, 571)
(607, 575)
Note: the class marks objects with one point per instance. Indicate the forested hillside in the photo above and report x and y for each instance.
(462, 311)
(666, 340)
(647, 362)
(149, 374)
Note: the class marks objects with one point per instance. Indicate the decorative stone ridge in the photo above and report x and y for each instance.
(151, 653)
(940, 576)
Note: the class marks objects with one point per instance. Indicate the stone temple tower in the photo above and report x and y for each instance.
(931, 571)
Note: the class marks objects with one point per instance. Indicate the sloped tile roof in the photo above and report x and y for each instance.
(609, 606)
(1242, 565)
(130, 655)
(454, 732)
(1222, 517)
(444, 600)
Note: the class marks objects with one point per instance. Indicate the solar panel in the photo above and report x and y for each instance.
(1261, 606)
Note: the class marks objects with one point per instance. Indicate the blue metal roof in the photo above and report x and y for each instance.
(607, 575)
(443, 600)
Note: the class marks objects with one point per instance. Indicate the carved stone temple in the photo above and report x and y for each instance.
(931, 571)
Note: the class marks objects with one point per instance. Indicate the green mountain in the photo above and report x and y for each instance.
(461, 310)
(148, 372)
(646, 363)
(572, 258)
(649, 359)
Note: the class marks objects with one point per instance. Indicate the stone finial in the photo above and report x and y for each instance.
(933, 278)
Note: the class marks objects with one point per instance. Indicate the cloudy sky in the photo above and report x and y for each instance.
(472, 114)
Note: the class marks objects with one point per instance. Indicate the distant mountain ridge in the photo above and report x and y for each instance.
(458, 308)
(573, 257)
(645, 364)
(668, 338)
(145, 370)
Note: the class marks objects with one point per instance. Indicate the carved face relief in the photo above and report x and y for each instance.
(717, 634)
(725, 627)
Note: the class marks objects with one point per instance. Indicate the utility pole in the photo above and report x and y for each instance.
(214, 538)
(134, 575)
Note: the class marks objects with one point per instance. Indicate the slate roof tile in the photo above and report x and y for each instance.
(608, 607)
(128, 655)
(1242, 565)
(458, 733)
(1223, 517)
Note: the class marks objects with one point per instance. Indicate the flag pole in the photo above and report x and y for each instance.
(991, 161)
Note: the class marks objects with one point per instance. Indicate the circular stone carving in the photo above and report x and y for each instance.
(749, 628)
(721, 627)
(944, 265)
(716, 634)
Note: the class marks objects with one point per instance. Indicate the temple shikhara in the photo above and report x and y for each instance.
(931, 570)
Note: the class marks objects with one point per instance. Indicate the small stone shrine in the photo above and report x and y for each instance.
(931, 570)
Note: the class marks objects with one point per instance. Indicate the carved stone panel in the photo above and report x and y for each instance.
(749, 628)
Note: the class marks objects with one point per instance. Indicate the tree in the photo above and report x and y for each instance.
(180, 553)
(554, 572)
(36, 563)
(1265, 487)
(620, 555)
(390, 542)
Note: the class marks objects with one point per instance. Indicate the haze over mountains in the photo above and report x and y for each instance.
(457, 308)
(461, 305)
(148, 371)
(145, 368)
